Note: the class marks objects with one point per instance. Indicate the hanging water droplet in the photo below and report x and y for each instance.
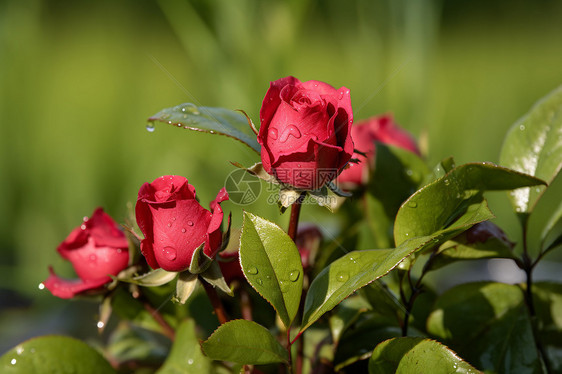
(170, 253)
(41, 286)
(190, 223)
(100, 324)
(342, 276)
(290, 130)
(252, 270)
(273, 133)
(294, 275)
(412, 204)
(150, 127)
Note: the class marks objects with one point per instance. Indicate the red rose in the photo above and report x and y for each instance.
(365, 133)
(175, 225)
(305, 132)
(96, 249)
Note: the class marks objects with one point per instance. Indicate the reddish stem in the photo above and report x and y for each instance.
(216, 303)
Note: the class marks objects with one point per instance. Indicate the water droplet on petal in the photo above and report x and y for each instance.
(150, 127)
(273, 133)
(294, 275)
(252, 270)
(82, 227)
(183, 230)
(342, 277)
(170, 253)
(93, 258)
(169, 224)
(190, 223)
(85, 218)
(290, 130)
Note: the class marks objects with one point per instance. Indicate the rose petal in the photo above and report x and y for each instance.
(166, 188)
(68, 288)
(105, 231)
(93, 262)
(148, 253)
(214, 234)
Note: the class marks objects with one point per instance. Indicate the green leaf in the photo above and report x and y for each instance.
(416, 355)
(443, 167)
(244, 342)
(54, 354)
(533, 146)
(553, 229)
(184, 287)
(211, 120)
(272, 264)
(130, 343)
(397, 174)
(436, 205)
(153, 278)
(548, 304)
(495, 313)
(350, 272)
(186, 356)
(214, 277)
(346, 314)
(484, 240)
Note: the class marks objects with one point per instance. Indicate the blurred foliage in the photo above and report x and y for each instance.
(79, 79)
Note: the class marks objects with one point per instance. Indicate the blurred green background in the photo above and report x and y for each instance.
(78, 79)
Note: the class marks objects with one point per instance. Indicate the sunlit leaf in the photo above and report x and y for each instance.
(488, 324)
(416, 355)
(436, 205)
(208, 119)
(272, 264)
(54, 354)
(244, 342)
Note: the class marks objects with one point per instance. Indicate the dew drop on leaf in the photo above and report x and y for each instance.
(252, 270)
(294, 275)
(259, 281)
(412, 204)
(342, 277)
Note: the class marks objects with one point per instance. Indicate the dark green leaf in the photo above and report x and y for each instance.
(186, 356)
(416, 355)
(130, 343)
(272, 264)
(244, 342)
(442, 168)
(214, 277)
(345, 315)
(533, 146)
(207, 119)
(436, 205)
(54, 354)
(553, 229)
(488, 324)
(548, 304)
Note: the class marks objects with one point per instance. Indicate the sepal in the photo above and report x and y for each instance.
(184, 287)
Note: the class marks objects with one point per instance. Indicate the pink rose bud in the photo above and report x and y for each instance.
(365, 133)
(96, 249)
(175, 225)
(308, 240)
(305, 132)
(230, 266)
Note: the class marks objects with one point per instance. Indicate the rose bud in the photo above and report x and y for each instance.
(230, 266)
(305, 132)
(365, 133)
(308, 240)
(96, 249)
(176, 227)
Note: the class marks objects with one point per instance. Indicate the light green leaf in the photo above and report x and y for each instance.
(553, 229)
(533, 146)
(153, 278)
(494, 313)
(272, 264)
(184, 287)
(416, 355)
(244, 342)
(436, 205)
(186, 356)
(54, 354)
(208, 119)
